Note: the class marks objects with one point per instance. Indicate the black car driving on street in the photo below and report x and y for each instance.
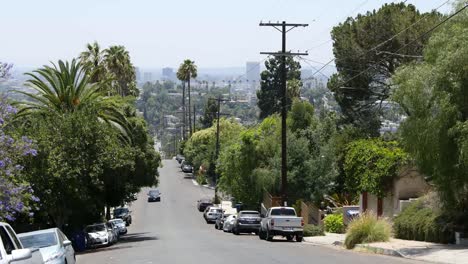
(154, 196)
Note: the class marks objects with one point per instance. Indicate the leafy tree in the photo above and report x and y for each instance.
(119, 65)
(434, 95)
(188, 70)
(16, 194)
(364, 48)
(371, 165)
(301, 115)
(209, 115)
(269, 96)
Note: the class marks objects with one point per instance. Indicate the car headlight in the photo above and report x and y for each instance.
(54, 256)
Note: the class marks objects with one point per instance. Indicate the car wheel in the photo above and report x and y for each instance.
(261, 235)
(298, 238)
(235, 231)
(289, 237)
(268, 236)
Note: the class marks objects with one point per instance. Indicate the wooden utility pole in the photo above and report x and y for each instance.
(194, 118)
(283, 28)
(218, 114)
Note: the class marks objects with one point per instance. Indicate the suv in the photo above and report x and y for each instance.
(124, 214)
(247, 222)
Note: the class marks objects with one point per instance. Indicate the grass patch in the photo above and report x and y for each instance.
(367, 229)
(313, 230)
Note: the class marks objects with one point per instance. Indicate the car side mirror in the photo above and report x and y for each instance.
(67, 243)
(21, 254)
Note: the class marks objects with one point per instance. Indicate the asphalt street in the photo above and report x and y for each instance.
(173, 231)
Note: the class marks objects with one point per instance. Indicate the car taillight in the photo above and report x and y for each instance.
(272, 222)
(302, 222)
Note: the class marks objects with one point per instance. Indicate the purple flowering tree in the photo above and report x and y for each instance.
(16, 196)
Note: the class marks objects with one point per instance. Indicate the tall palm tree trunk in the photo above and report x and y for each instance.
(183, 110)
(189, 111)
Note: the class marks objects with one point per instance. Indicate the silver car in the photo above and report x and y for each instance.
(120, 225)
(98, 235)
(53, 244)
(229, 223)
(212, 213)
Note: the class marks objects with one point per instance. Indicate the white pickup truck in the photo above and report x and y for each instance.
(281, 221)
(12, 251)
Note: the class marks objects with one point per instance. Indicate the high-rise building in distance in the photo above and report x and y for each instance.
(168, 73)
(147, 77)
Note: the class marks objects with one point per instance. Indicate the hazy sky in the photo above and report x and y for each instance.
(214, 33)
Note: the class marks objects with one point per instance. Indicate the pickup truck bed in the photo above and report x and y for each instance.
(282, 221)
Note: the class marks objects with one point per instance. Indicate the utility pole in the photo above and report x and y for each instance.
(218, 114)
(283, 28)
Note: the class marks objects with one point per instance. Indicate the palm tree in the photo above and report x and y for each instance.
(65, 88)
(92, 60)
(118, 64)
(187, 71)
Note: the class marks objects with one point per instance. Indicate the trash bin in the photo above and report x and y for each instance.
(79, 241)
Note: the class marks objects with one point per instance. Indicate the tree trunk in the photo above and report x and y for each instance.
(189, 110)
(183, 110)
(108, 214)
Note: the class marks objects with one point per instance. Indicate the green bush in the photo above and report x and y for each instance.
(422, 223)
(334, 223)
(367, 229)
(313, 230)
(201, 179)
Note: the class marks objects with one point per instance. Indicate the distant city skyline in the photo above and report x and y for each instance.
(215, 34)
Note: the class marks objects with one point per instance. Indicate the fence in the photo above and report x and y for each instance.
(311, 214)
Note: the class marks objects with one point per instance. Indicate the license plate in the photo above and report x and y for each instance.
(288, 228)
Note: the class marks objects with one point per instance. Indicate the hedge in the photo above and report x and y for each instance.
(334, 223)
(418, 222)
(313, 230)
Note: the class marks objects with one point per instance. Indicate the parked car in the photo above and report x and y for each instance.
(54, 245)
(154, 196)
(229, 223)
(179, 158)
(98, 235)
(212, 213)
(203, 203)
(120, 225)
(124, 214)
(247, 222)
(282, 221)
(12, 250)
(186, 167)
(114, 232)
(220, 221)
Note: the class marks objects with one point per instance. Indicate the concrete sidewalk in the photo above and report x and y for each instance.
(417, 250)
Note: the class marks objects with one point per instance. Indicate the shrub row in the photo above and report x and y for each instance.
(367, 229)
(313, 230)
(418, 222)
(333, 223)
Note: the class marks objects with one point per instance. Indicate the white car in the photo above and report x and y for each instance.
(229, 223)
(53, 244)
(120, 224)
(98, 235)
(12, 251)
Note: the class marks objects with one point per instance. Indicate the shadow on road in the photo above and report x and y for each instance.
(130, 238)
(137, 237)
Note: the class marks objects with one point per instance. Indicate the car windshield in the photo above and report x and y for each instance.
(95, 228)
(120, 211)
(250, 214)
(117, 221)
(283, 211)
(215, 210)
(154, 192)
(39, 240)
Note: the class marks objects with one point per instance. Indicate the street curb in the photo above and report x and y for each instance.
(195, 182)
(376, 250)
